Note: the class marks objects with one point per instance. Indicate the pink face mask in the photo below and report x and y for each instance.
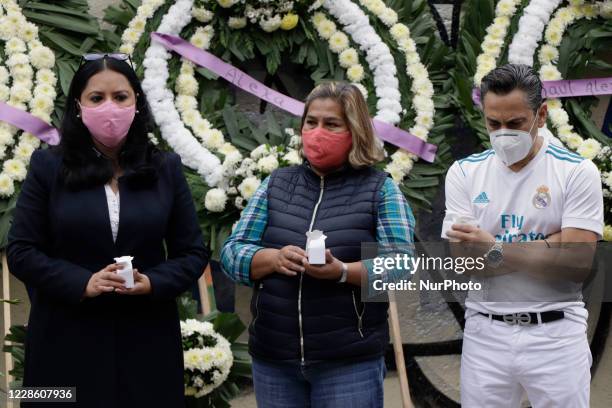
(108, 123)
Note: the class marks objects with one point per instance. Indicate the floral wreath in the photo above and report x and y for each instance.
(344, 26)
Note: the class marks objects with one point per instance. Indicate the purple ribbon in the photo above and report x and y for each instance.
(29, 123)
(567, 88)
(386, 132)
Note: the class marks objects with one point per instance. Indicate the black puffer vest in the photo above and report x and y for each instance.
(329, 316)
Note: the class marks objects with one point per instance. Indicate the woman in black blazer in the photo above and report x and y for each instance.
(104, 193)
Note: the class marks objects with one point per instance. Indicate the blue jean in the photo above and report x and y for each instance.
(319, 385)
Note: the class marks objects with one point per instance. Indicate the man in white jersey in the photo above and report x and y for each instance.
(527, 188)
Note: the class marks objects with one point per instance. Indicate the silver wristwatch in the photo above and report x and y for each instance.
(344, 273)
(495, 255)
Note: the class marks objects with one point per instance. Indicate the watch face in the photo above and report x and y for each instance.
(494, 256)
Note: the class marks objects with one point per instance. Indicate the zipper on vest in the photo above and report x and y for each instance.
(312, 220)
(359, 315)
(257, 304)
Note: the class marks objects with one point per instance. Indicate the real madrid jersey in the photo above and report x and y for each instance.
(557, 189)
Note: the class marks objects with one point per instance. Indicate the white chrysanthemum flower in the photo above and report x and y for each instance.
(213, 139)
(186, 103)
(554, 35)
(46, 76)
(558, 116)
(7, 186)
(202, 37)
(355, 73)
(260, 151)
(318, 18)
(554, 104)
(589, 148)
(4, 75)
(138, 24)
(550, 72)
(270, 24)
(15, 169)
(215, 200)
(388, 16)
(505, 8)
(22, 74)
(6, 137)
(20, 94)
(574, 141)
(227, 148)
(15, 46)
(403, 159)
(127, 48)
(42, 102)
(28, 138)
(292, 157)
(248, 187)
(131, 36)
(186, 85)
(399, 31)
(23, 152)
(17, 59)
(267, 164)
(45, 90)
(201, 14)
(236, 23)
(326, 28)
(348, 57)
(338, 42)
(232, 160)
(28, 31)
(396, 172)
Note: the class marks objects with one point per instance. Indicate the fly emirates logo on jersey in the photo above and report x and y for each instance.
(512, 227)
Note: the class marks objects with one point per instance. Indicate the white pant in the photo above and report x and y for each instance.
(550, 362)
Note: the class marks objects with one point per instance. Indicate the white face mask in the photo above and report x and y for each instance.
(510, 145)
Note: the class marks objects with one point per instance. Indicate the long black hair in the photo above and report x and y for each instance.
(83, 165)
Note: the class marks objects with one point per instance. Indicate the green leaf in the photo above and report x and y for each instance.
(229, 325)
(80, 25)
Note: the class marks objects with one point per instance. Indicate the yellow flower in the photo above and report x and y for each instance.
(554, 104)
(573, 141)
(326, 28)
(318, 18)
(589, 148)
(399, 31)
(338, 42)
(548, 54)
(607, 233)
(355, 73)
(506, 7)
(554, 35)
(7, 187)
(348, 57)
(396, 172)
(289, 21)
(15, 169)
(549, 72)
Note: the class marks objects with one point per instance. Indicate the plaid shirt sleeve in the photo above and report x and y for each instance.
(239, 249)
(394, 230)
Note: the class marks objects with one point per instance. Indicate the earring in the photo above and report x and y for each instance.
(137, 111)
(78, 115)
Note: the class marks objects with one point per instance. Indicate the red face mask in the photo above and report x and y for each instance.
(326, 150)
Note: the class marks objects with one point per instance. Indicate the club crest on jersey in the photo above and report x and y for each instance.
(542, 198)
